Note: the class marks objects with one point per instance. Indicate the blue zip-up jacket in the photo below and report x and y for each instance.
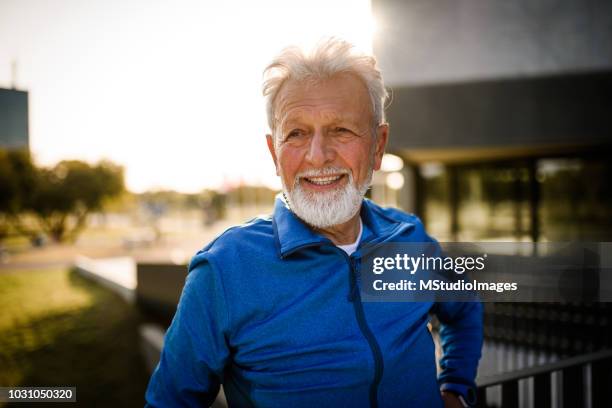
(271, 310)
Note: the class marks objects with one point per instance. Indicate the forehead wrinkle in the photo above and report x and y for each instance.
(328, 112)
(296, 101)
(306, 115)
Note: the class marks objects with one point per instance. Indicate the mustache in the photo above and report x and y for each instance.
(326, 171)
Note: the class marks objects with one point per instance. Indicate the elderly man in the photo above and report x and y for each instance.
(272, 309)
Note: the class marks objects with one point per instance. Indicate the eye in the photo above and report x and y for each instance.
(294, 133)
(342, 131)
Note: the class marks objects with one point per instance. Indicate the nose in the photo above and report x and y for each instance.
(320, 151)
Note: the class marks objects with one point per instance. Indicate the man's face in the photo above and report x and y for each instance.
(324, 146)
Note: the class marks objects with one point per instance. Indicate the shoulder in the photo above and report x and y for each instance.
(388, 215)
(252, 232)
(256, 235)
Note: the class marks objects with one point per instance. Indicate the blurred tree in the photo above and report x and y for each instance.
(66, 194)
(213, 204)
(60, 198)
(17, 183)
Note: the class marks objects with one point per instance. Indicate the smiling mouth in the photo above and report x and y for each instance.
(324, 180)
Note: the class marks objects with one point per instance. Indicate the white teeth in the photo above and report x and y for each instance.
(322, 181)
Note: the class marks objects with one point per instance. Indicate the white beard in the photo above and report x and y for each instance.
(326, 209)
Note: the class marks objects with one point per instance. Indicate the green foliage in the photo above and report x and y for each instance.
(72, 190)
(17, 183)
(60, 198)
(72, 185)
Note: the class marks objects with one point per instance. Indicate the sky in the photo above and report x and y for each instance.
(171, 90)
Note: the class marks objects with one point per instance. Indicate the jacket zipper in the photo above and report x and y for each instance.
(355, 298)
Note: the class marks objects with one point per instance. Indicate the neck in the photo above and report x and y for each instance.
(342, 234)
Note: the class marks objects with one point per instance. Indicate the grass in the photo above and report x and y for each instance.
(58, 329)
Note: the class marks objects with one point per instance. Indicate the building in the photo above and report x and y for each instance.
(501, 113)
(14, 127)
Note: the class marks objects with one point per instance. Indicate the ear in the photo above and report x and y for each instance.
(270, 140)
(382, 135)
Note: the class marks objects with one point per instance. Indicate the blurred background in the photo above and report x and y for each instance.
(132, 133)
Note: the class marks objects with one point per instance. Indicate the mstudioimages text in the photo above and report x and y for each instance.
(411, 264)
(441, 285)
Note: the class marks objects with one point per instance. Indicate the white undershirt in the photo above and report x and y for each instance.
(350, 248)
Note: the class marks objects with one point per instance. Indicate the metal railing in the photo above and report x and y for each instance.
(585, 381)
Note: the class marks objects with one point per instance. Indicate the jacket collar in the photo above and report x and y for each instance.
(291, 233)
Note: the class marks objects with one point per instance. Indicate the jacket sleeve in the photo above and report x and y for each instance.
(461, 335)
(461, 338)
(195, 349)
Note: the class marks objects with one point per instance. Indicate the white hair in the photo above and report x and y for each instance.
(328, 58)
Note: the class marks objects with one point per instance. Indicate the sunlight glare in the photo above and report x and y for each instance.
(170, 90)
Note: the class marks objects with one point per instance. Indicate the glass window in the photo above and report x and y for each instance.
(575, 199)
(493, 202)
(436, 201)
